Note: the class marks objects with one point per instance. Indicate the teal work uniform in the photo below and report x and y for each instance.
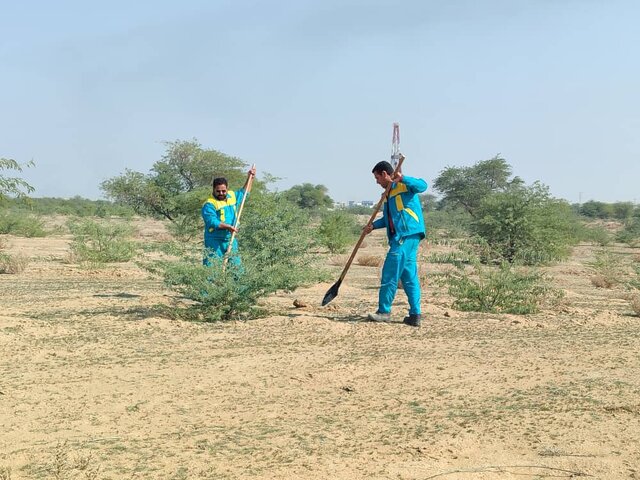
(403, 219)
(215, 212)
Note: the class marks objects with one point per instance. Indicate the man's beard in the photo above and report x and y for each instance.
(221, 196)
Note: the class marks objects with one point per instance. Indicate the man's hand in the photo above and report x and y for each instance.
(397, 177)
(367, 229)
(252, 171)
(226, 226)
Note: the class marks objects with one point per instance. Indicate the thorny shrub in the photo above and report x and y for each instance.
(19, 224)
(338, 230)
(505, 289)
(275, 240)
(101, 243)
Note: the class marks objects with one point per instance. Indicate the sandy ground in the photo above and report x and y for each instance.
(95, 385)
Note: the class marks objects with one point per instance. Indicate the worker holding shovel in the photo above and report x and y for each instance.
(403, 220)
(221, 213)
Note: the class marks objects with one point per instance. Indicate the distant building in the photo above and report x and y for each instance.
(362, 203)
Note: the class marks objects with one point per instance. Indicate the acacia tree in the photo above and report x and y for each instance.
(519, 223)
(308, 196)
(13, 186)
(526, 224)
(177, 184)
(468, 186)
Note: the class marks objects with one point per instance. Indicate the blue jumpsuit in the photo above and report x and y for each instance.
(216, 240)
(402, 217)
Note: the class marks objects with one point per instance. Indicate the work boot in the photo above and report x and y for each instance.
(412, 320)
(379, 317)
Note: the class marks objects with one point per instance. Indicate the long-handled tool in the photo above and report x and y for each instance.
(333, 291)
(237, 220)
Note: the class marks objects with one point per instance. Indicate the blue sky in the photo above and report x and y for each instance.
(309, 90)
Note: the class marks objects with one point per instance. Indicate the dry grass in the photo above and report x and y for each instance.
(370, 260)
(634, 301)
(13, 264)
(338, 260)
(603, 281)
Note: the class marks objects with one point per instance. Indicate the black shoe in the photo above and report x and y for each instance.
(412, 320)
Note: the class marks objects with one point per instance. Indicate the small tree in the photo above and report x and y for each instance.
(526, 224)
(308, 196)
(469, 186)
(338, 230)
(178, 183)
(594, 209)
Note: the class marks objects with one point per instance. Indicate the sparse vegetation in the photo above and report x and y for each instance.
(607, 269)
(21, 224)
(506, 289)
(75, 207)
(338, 231)
(630, 234)
(104, 332)
(13, 264)
(101, 243)
(84, 349)
(596, 235)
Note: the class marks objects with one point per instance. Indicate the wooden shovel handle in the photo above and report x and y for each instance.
(237, 219)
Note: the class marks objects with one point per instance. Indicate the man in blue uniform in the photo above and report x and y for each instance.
(403, 220)
(219, 215)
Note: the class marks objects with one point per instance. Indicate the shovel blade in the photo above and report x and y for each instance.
(331, 293)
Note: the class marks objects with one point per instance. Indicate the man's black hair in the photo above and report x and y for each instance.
(383, 166)
(220, 181)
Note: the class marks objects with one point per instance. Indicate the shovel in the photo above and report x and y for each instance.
(237, 222)
(333, 291)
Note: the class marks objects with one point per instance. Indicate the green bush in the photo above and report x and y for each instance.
(21, 224)
(75, 206)
(101, 243)
(275, 239)
(526, 225)
(630, 234)
(217, 294)
(338, 230)
(596, 235)
(505, 289)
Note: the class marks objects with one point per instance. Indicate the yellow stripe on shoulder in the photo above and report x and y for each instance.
(398, 189)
